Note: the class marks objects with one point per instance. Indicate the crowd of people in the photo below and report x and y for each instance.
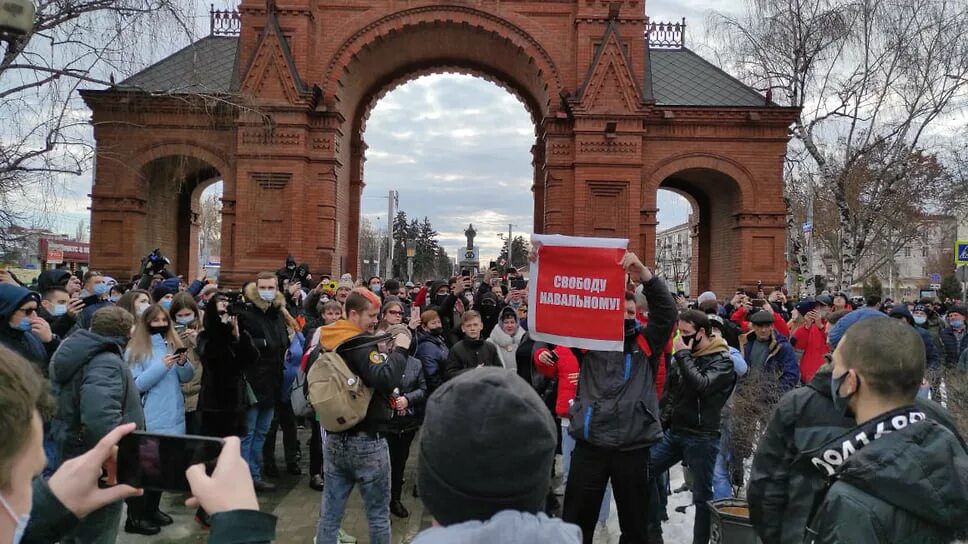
(840, 385)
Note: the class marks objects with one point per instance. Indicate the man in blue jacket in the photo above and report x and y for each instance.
(766, 350)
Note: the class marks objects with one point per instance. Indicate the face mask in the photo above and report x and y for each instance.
(115, 298)
(376, 288)
(166, 303)
(631, 326)
(437, 331)
(24, 325)
(157, 330)
(439, 298)
(21, 521)
(920, 319)
(840, 403)
(100, 288)
(267, 295)
(688, 339)
(59, 310)
(957, 323)
(185, 320)
(141, 308)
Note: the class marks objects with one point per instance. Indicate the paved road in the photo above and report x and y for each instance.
(297, 507)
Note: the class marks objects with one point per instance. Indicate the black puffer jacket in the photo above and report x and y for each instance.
(266, 324)
(909, 485)
(94, 389)
(783, 483)
(468, 354)
(697, 388)
(413, 385)
(616, 405)
(222, 397)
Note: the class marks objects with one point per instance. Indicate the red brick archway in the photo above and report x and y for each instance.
(278, 110)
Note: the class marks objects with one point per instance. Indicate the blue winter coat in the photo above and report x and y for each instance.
(432, 352)
(160, 389)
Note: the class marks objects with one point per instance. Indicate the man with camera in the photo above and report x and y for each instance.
(264, 318)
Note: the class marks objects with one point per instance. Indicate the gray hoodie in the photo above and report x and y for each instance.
(507, 527)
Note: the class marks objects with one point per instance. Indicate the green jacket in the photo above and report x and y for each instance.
(909, 486)
(50, 520)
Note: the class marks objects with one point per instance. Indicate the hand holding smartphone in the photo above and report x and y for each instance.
(159, 461)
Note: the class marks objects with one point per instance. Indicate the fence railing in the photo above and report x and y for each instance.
(224, 22)
(664, 35)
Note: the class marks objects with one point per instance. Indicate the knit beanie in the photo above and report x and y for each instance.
(487, 445)
(840, 328)
(160, 292)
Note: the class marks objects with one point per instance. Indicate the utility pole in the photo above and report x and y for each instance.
(393, 203)
(810, 275)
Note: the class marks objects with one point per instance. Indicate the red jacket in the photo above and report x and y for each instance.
(810, 344)
(567, 364)
(779, 325)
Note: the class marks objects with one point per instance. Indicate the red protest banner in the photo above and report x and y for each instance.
(577, 292)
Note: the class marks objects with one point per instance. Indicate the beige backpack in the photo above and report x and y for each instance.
(339, 397)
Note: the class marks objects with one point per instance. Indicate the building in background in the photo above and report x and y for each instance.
(673, 255)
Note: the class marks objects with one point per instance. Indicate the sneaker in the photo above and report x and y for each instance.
(344, 538)
(316, 482)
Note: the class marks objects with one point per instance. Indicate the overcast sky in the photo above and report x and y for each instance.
(457, 148)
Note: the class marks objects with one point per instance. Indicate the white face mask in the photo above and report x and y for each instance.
(267, 295)
(141, 308)
(184, 320)
(21, 521)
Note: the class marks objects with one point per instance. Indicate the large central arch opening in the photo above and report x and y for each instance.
(461, 41)
(456, 148)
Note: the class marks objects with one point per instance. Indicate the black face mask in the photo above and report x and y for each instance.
(152, 330)
(439, 298)
(632, 326)
(437, 331)
(689, 340)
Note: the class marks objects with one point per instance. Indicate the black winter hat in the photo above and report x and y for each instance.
(49, 279)
(762, 317)
(487, 445)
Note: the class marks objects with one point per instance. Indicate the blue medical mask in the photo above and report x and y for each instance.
(141, 308)
(956, 323)
(21, 521)
(166, 303)
(100, 288)
(59, 310)
(114, 298)
(376, 287)
(185, 320)
(24, 325)
(840, 402)
(267, 295)
(920, 319)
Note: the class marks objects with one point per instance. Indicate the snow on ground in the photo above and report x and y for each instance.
(677, 530)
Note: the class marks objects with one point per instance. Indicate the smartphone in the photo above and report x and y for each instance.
(553, 355)
(91, 300)
(466, 273)
(159, 461)
(179, 351)
(415, 312)
(519, 283)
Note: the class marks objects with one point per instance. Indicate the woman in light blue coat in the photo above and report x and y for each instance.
(158, 374)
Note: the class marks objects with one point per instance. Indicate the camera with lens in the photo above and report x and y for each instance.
(155, 261)
(237, 303)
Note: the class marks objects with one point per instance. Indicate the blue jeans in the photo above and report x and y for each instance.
(348, 460)
(699, 452)
(722, 484)
(568, 446)
(258, 420)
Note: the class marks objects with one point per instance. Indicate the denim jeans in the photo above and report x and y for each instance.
(722, 486)
(568, 446)
(258, 420)
(699, 452)
(348, 460)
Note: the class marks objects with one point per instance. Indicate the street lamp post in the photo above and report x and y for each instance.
(16, 20)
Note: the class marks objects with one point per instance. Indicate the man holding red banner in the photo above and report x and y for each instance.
(614, 417)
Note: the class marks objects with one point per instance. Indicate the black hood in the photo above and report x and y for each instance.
(921, 469)
(822, 378)
(78, 349)
(53, 278)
